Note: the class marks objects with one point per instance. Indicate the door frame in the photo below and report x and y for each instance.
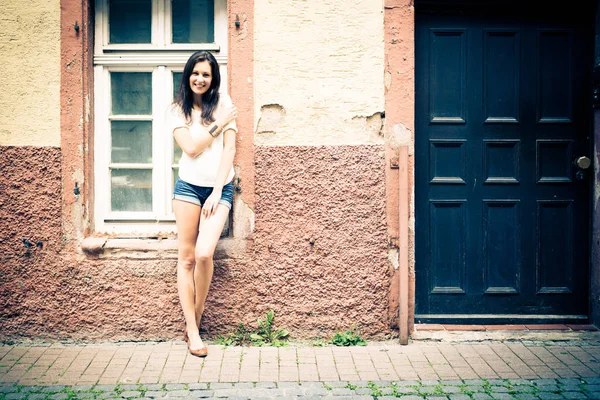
(399, 28)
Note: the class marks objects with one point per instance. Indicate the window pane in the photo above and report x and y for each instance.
(193, 21)
(131, 141)
(131, 190)
(176, 82)
(131, 92)
(130, 21)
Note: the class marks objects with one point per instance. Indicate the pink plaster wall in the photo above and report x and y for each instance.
(333, 197)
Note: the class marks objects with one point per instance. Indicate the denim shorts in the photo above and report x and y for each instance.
(198, 194)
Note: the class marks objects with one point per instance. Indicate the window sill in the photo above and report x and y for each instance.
(150, 249)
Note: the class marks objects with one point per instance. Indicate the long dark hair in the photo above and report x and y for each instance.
(210, 99)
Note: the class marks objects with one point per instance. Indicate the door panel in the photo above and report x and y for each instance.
(503, 108)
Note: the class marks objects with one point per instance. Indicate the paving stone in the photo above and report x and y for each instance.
(474, 389)
(593, 395)
(427, 389)
(569, 381)
(243, 385)
(85, 395)
(550, 396)
(574, 395)
(540, 382)
(592, 381)
(8, 389)
(547, 388)
(525, 396)
(176, 386)
(451, 389)
(381, 383)
(451, 382)
(341, 392)
(476, 382)
(365, 391)
(204, 386)
(107, 395)
(159, 386)
(105, 388)
(481, 396)
(53, 389)
(412, 397)
(430, 382)
(131, 394)
(178, 393)
(266, 385)
(459, 397)
(502, 396)
(386, 390)
(288, 384)
(499, 389)
(220, 385)
(201, 394)
(591, 388)
(518, 382)
(315, 391)
(59, 396)
(82, 388)
(129, 387)
(570, 388)
(364, 397)
(156, 394)
(29, 389)
(16, 396)
(406, 383)
(385, 397)
(406, 389)
(496, 382)
(336, 384)
(37, 396)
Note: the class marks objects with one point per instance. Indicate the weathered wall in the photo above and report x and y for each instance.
(318, 72)
(314, 187)
(30, 73)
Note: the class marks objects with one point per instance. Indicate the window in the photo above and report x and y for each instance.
(141, 47)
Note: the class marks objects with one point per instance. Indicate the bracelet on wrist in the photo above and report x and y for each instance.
(213, 129)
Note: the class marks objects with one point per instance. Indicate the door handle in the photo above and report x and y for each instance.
(583, 162)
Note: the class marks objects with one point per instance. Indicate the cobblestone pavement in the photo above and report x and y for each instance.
(423, 370)
(469, 389)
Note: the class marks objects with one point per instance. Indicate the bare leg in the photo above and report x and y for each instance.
(187, 216)
(210, 232)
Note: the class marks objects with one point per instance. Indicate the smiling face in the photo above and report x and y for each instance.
(201, 78)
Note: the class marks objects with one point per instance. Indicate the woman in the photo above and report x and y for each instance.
(203, 123)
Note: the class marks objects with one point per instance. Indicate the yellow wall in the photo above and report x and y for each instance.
(319, 75)
(30, 72)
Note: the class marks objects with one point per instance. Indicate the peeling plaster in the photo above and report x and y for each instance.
(400, 135)
(271, 116)
(393, 257)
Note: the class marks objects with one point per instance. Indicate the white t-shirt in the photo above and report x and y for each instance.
(201, 170)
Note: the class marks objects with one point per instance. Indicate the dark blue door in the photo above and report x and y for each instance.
(503, 114)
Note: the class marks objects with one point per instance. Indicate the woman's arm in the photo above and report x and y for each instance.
(210, 206)
(194, 146)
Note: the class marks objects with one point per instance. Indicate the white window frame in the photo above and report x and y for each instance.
(162, 59)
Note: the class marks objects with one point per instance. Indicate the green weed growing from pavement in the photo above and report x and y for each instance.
(348, 338)
(265, 335)
(375, 389)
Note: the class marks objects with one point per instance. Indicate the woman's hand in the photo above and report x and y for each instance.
(229, 114)
(211, 204)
